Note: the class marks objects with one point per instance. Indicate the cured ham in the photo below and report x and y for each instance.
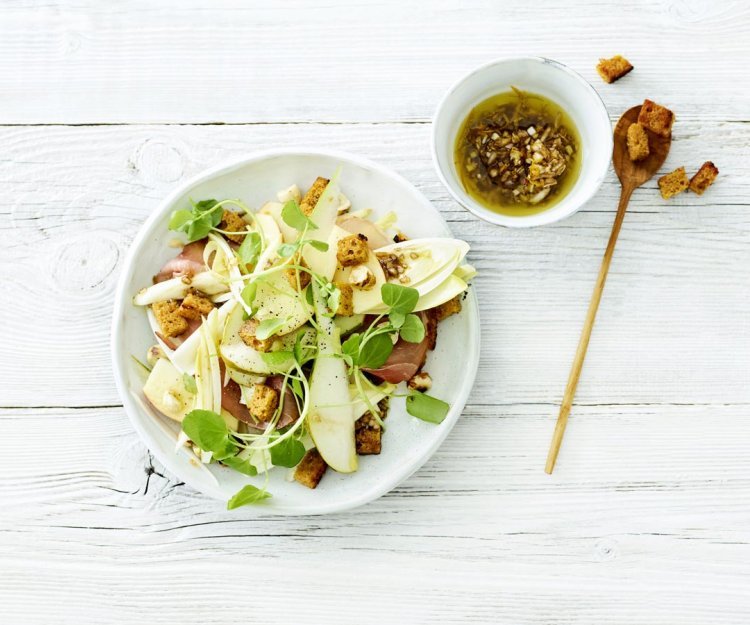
(407, 359)
(186, 263)
(356, 225)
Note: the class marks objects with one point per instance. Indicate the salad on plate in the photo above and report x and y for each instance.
(282, 333)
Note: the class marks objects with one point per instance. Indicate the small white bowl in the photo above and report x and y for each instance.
(536, 75)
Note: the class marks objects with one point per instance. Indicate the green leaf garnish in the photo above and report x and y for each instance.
(412, 330)
(240, 464)
(294, 217)
(397, 319)
(196, 224)
(277, 360)
(375, 351)
(287, 453)
(269, 327)
(248, 294)
(247, 495)
(189, 382)
(321, 246)
(350, 348)
(287, 250)
(209, 431)
(249, 250)
(179, 218)
(426, 407)
(400, 299)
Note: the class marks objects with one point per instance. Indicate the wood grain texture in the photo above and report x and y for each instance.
(678, 295)
(646, 519)
(83, 61)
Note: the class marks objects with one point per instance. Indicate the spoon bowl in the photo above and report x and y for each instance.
(634, 173)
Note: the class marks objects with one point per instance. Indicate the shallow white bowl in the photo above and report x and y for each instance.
(536, 75)
(407, 443)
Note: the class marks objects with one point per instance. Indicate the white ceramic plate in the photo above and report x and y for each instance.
(407, 443)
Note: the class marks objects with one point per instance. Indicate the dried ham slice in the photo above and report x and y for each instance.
(356, 225)
(407, 359)
(186, 263)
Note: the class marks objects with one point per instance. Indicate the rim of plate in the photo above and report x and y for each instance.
(379, 487)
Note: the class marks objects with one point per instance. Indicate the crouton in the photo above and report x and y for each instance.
(451, 307)
(703, 178)
(637, 142)
(310, 199)
(170, 320)
(247, 334)
(310, 469)
(421, 382)
(367, 435)
(233, 222)
(304, 276)
(673, 183)
(656, 118)
(613, 69)
(195, 306)
(346, 300)
(264, 402)
(400, 237)
(352, 250)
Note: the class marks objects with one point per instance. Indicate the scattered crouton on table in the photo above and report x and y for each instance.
(673, 183)
(613, 69)
(703, 178)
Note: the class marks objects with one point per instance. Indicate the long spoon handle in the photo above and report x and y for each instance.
(583, 343)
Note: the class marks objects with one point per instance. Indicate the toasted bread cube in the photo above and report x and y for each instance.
(614, 68)
(195, 306)
(449, 308)
(656, 118)
(310, 469)
(400, 237)
(368, 435)
(673, 183)
(304, 276)
(233, 222)
(637, 142)
(421, 382)
(310, 199)
(346, 299)
(703, 178)
(170, 320)
(264, 402)
(247, 334)
(352, 250)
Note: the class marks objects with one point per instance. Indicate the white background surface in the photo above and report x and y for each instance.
(105, 106)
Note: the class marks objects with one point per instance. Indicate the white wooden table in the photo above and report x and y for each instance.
(106, 106)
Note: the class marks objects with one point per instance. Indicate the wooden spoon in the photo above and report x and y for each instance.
(632, 175)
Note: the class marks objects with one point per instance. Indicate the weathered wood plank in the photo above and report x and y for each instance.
(673, 323)
(80, 62)
(651, 509)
